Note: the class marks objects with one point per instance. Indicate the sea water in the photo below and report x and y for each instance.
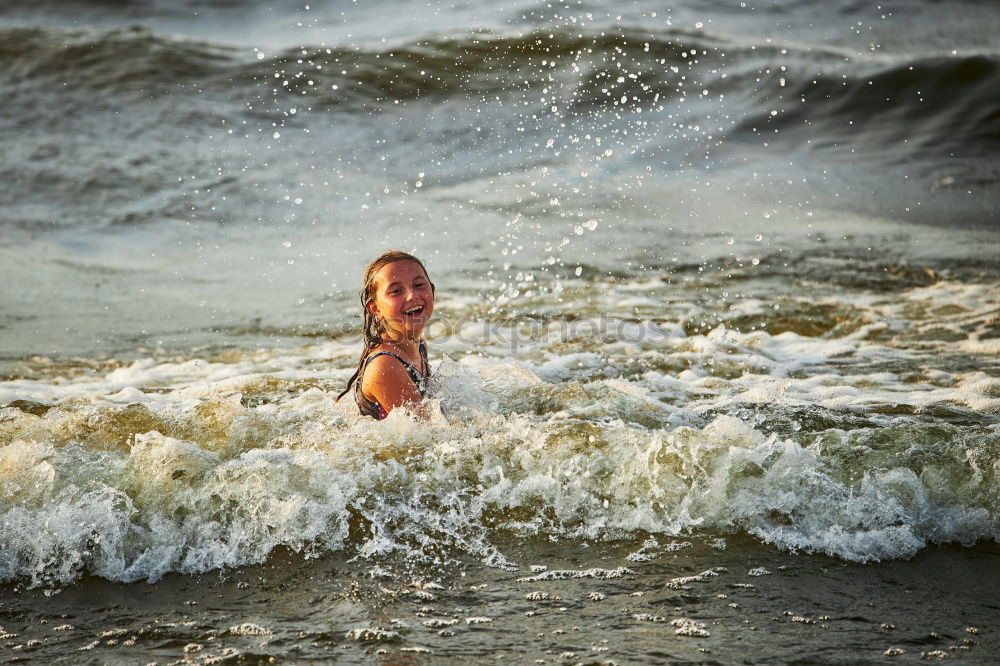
(715, 344)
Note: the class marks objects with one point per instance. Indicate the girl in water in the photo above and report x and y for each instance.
(397, 299)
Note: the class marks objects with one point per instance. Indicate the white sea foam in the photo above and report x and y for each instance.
(194, 465)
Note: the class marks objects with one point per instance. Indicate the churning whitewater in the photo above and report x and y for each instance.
(818, 444)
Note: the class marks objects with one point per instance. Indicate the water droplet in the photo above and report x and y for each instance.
(759, 237)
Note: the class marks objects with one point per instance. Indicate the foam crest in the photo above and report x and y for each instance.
(192, 465)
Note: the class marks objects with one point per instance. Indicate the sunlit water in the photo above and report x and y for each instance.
(718, 294)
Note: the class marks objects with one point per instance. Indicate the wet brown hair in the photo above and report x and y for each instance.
(371, 329)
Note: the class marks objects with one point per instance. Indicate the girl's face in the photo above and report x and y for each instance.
(404, 300)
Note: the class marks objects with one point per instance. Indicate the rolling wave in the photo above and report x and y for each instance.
(926, 106)
(791, 98)
(686, 98)
(130, 60)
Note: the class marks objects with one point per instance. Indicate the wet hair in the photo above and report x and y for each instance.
(371, 329)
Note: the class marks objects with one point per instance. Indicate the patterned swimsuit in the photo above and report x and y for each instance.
(371, 407)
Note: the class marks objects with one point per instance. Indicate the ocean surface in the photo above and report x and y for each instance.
(716, 345)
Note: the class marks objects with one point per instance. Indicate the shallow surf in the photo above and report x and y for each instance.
(715, 347)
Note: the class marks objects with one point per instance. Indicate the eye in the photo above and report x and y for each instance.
(393, 292)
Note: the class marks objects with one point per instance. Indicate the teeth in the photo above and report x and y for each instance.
(412, 310)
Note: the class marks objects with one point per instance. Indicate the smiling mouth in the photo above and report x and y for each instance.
(413, 312)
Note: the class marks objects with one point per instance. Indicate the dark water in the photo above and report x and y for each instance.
(691, 601)
(719, 274)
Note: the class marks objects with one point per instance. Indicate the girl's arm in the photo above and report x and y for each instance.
(390, 384)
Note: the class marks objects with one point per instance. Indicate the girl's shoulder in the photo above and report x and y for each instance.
(390, 380)
(383, 353)
(387, 364)
(382, 361)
